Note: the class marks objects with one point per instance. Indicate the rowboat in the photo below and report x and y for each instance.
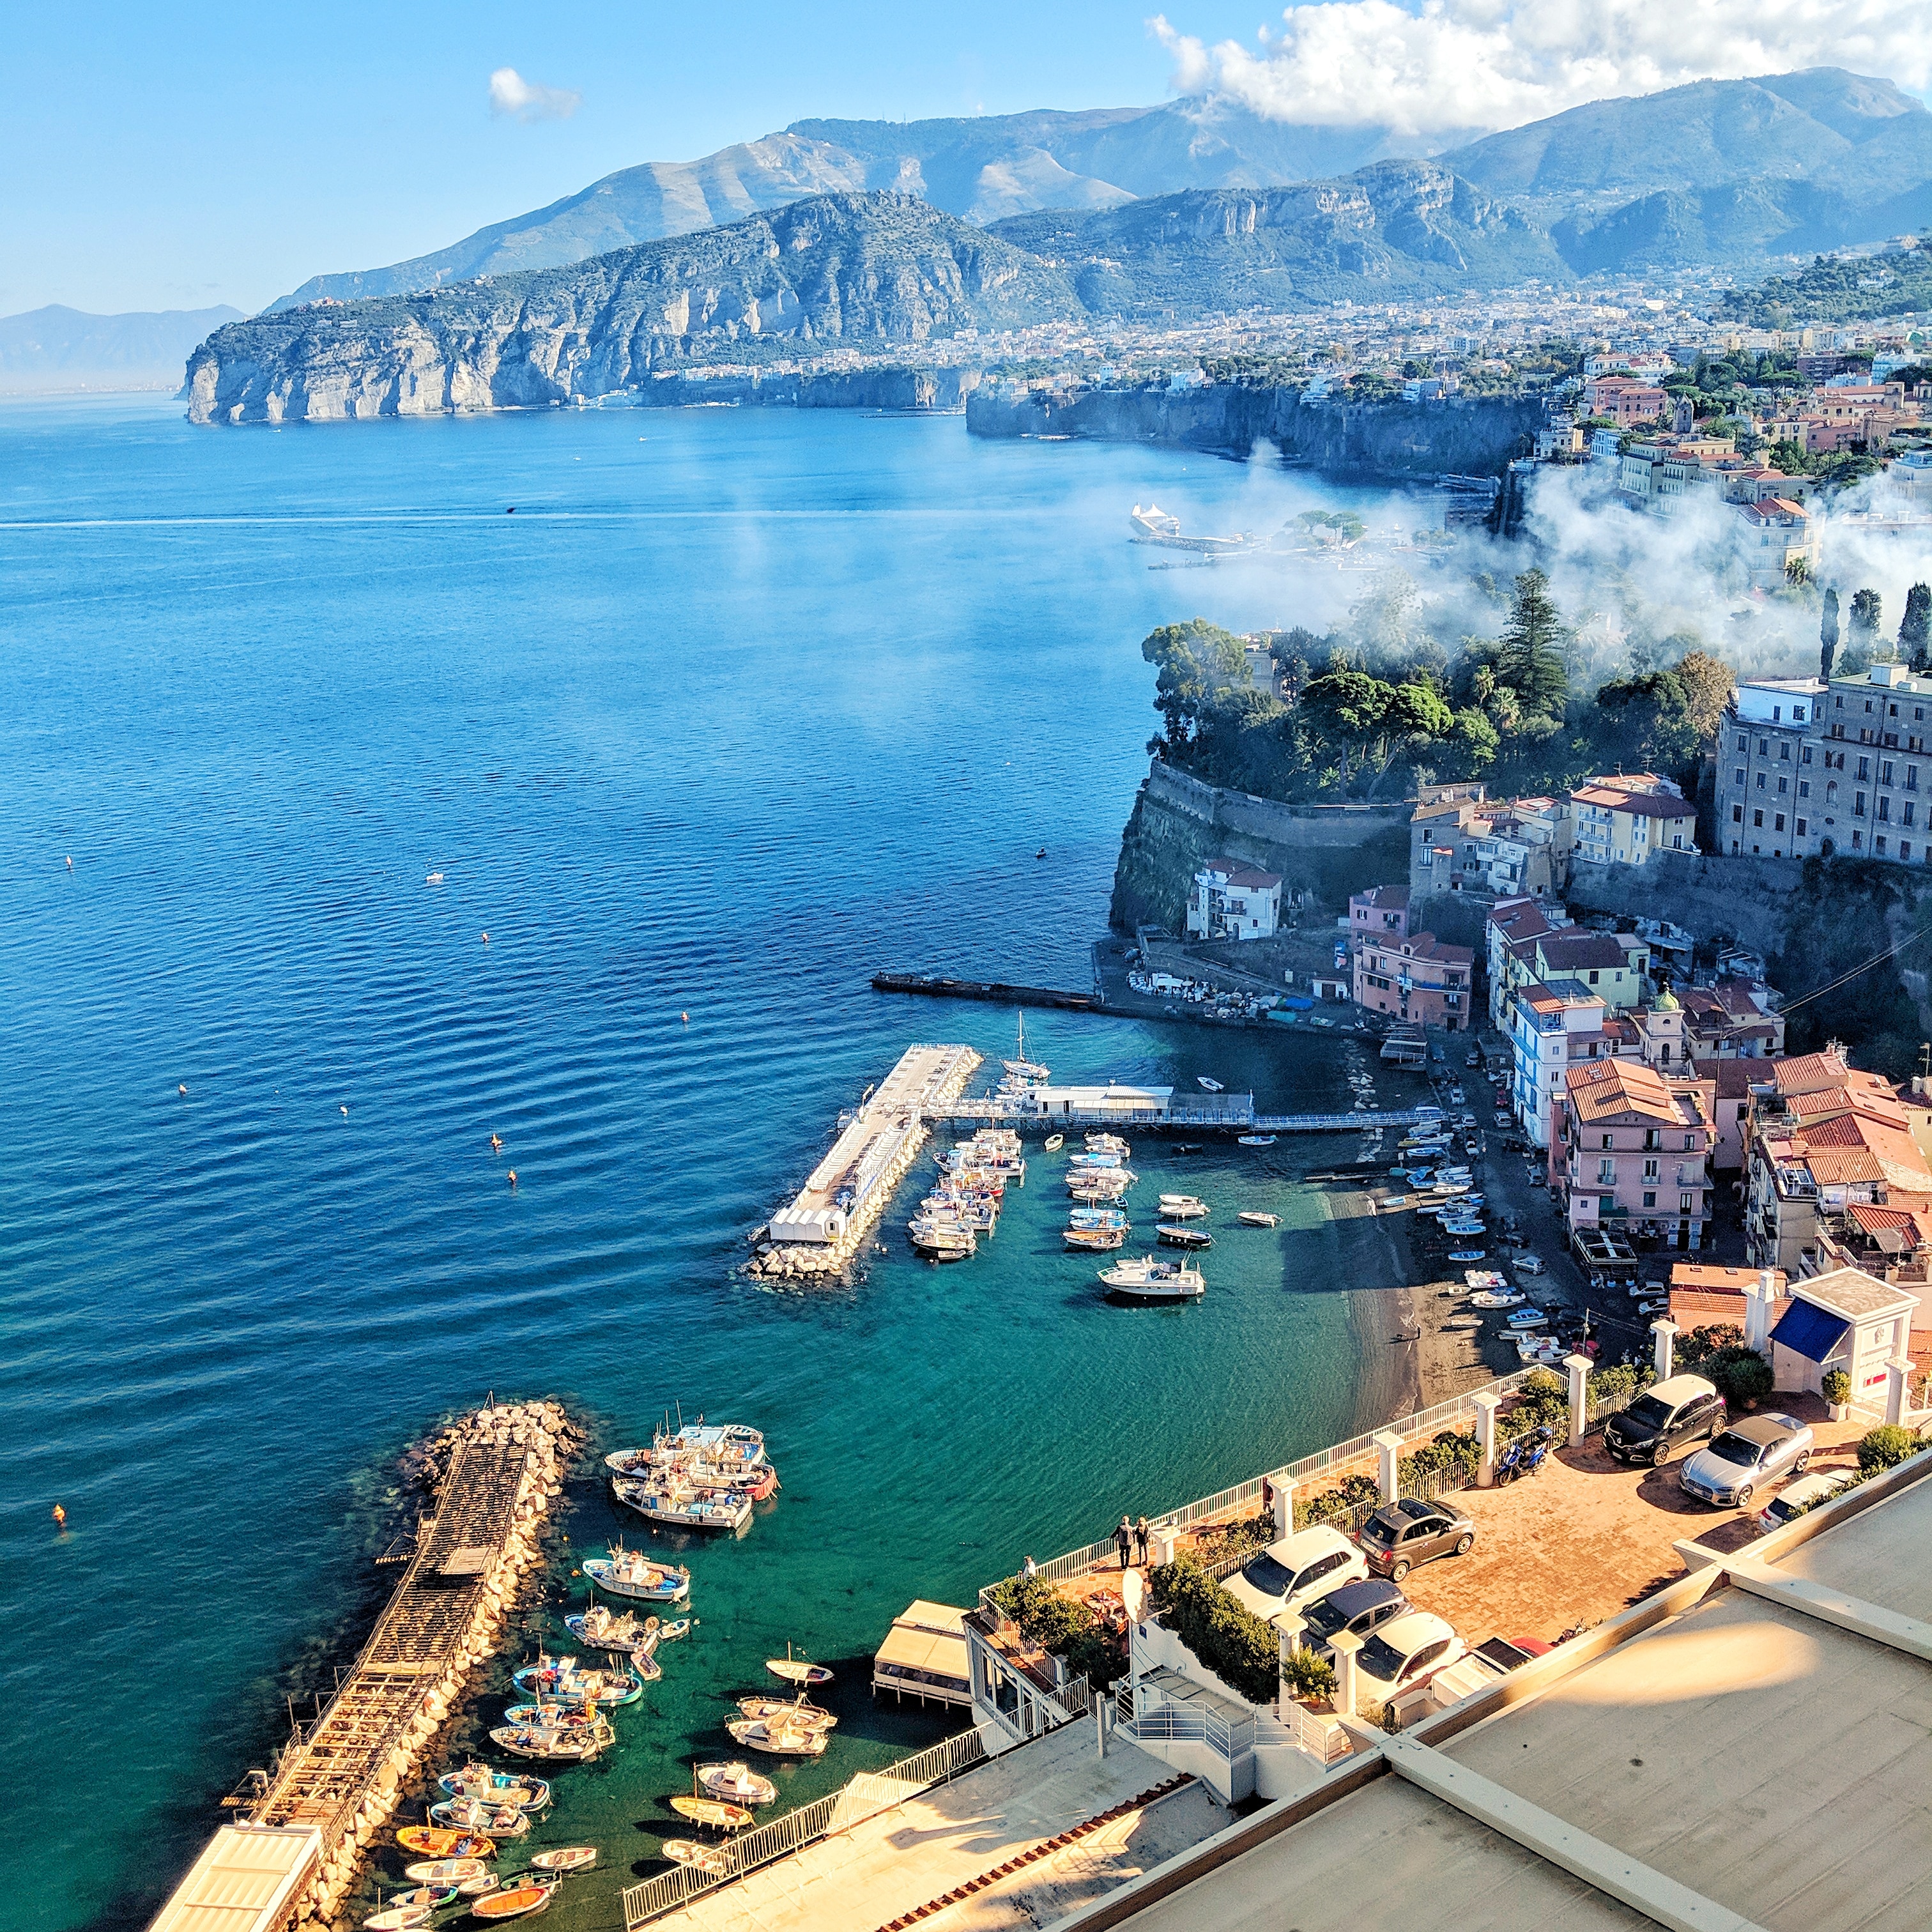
(486, 1880)
(398, 1919)
(1256, 1140)
(519, 1901)
(777, 1737)
(796, 1708)
(739, 1782)
(472, 1814)
(1209, 1086)
(568, 1859)
(1182, 1207)
(1174, 1236)
(433, 1842)
(568, 1682)
(497, 1787)
(1055, 1142)
(428, 1897)
(630, 1573)
(713, 1860)
(1096, 1217)
(670, 1633)
(599, 1628)
(576, 1744)
(715, 1812)
(1094, 1240)
(445, 1871)
(1252, 1217)
(795, 1669)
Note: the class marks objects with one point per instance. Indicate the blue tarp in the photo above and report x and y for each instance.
(1811, 1331)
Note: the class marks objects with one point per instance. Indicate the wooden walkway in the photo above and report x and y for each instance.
(1229, 1119)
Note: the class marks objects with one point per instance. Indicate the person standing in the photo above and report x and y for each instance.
(1123, 1541)
(1141, 1533)
(1029, 1569)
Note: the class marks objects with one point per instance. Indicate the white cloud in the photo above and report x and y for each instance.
(524, 100)
(1456, 64)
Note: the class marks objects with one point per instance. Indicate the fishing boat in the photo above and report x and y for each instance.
(1108, 1143)
(565, 1858)
(1209, 1086)
(1172, 1235)
(497, 1787)
(445, 1871)
(1182, 1207)
(1055, 1142)
(714, 1861)
(670, 1502)
(1103, 1161)
(398, 1919)
(796, 1670)
(475, 1887)
(714, 1812)
(1096, 1217)
(1257, 1140)
(1253, 1217)
(678, 1627)
(519, 1901)
(1529, 1318)
(430, 1842)
(472, 1814)
(724, 1445)
(602, 1631)
(737, 1782)
(427, 1897)
(777, 1736)
(1468, 1254)
(795, 1708)
(554, 1743)
(951, 1245)
(1095, 1240)
(630, 1573)
(1149, 1280)
(567, 1681)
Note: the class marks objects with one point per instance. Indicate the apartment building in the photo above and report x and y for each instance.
(1232, 899)
(1631, 1154)
(1417, 978)
(1624, 400)
(1461, 841)
(1764, 795)
(1625, 818)
(1873, 774)
(1775, 534)
(1381, 913)
(1511, 923)
(1551, 1029)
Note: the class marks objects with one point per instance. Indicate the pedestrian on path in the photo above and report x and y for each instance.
(1123, 1541)
(1141, 1535)
(1029, 1569)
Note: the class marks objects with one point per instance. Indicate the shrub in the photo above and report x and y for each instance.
(1837, 1386)
(1061, 1626)
(1543, 1402)
(1743, 1377)
(1885, 1446)
(1237, 1646)
(1329, 1505)
(1308, 1676)
(1451, 1454)
(1696, 1348)
(1621, 1383)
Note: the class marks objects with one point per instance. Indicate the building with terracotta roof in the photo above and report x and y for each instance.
(1233, 899)
(1461, 841)
(1380, 912)
(1511, 923)
(1632, 1153)
(1729, 1083)
(1626, 818)
(1704, 1296)
(1420, 978)
(1552, 1027)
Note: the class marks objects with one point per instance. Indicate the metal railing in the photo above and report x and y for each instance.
(867, 1795)
(1190, 1724)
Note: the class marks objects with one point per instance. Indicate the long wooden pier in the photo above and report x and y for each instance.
(996, 1110)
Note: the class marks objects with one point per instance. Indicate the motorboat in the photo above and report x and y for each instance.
(552, 1743)
(1172, 1234)
(1105, 1143)
(1529, 1318)
(565, 1858)
(1182, 1207)
(497, 1787)
(670, 1502)
(1257, 1140)
(796, 1670)
(719, 1815)
(445, 1871)
(1055, 1142)
(1096, 1217)
(954, 1244)
(567, 1681)
(630, 1573)
(737, 1782)
(472, 1814)
(1095, 1240)
(714, 1861)
(1468, 1254)
(794, 1709)
(1494, 1298)
(1209, 1086)
(1486, 1278)
(777, 1736)
(516, 1901)
(1254, 1217)
(1147, 1278)
(602, 1631)
(432, 1841)
(670, 1633)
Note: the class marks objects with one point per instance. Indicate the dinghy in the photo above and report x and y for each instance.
(738, 1784)
(497, 1787)
(514, 1902)
(1252, 1217)
(796, 1670)
(433, 1842)
(568, 1859)
(670, 1633)
(629, 1573)
(1208, 1085)
(715, 1812)
(445, 1871)
(714, 1861)
(398, 1919)
(1055, 1142)
(429, 1897)
(472, 1814)
(1256, 1140)
(777, 1736)
(475, 1887)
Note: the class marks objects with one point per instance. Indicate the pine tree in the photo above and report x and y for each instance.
(1827, 635)
(1866, 611)
(1915, 631)
(1530, 660)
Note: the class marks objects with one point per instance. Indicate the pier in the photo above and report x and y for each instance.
(818, 1234)
(340, 1776)
(1237, 1115)
(995, 992)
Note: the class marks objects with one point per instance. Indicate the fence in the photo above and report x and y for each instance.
(867, 1794)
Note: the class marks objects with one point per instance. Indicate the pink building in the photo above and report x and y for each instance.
(1381, 913)
(1632, 1153)
(1417, 979)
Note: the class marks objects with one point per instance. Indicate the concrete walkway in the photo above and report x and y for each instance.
(932, 1844)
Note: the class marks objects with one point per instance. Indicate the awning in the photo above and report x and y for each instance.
(1809, 1330)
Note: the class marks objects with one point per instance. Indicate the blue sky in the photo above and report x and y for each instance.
(173, 157)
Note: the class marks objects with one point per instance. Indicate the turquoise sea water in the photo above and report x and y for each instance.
(737, 708)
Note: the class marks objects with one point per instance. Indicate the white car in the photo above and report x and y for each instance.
(1795, 1498)
(1296, 1571)
(1406, 1650)
(1527, 1264)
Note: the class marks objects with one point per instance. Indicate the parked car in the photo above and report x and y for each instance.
(1527, 1264)
(1401, 1534)
(1361, 1608)
(1748, 1456)
(1408, 1649)
(1296, 1571)
(1795, 1498)
(1667, 1414)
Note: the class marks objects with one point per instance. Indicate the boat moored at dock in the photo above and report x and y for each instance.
(669, 1503)
(631, 1573)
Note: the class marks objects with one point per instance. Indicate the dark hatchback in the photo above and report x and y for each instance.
(1667, 1414)
(1401, 1534)
(1358, 1608)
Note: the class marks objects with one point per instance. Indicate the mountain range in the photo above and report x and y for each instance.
(49, 350)
(1723, 173)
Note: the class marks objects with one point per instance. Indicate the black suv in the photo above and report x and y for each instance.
(1358, 1608)
(1666, 1413)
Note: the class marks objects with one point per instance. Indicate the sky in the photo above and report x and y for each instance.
(157, 156)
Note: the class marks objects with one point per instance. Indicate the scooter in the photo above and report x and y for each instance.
(1524, 1456)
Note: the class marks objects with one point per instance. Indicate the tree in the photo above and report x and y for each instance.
(1707, 686)
(1348, 708)
(1531, 660)
(1197, 662)
(1827, 634)
(1915, 631)
(1866, 609)
(1797, 572)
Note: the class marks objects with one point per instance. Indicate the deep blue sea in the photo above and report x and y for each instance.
(737, 707)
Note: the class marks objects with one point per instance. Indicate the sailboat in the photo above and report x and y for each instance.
(1021, 1072)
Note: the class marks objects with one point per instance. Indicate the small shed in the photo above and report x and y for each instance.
(924, 1656)
(249, 1878)
(1848, 1320)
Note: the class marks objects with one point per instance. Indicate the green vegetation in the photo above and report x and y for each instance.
(1833, 289)
(1885, 1447)
(1235, 1645)
(1062, 1628)
(1622, 1382)
(1451, 1454)
(1836, 1386)
(1331, 1505)
(1543, 1402)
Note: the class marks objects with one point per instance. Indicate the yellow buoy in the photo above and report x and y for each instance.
(60, 1515)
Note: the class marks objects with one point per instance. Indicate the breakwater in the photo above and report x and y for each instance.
(1370, 442)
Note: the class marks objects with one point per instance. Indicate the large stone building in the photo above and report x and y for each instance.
(1765, 767)
(1461, 840)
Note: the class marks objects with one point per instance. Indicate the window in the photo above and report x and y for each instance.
(1864, 768)
(1594, 976)
(1801, 828)
(1831, 792)
(1878, 844)
(1739, 775)
(1885, 772)
(1784, 751)
(1905, 848)
(1650, 1197)
(1911, 778)
(1784, 785)
(1778, 822)
(1744, 743)
(1840, 703)
(1652, 1140)
(1606, 1140)
(1858, 804)
(1805, 755)
(1690, 1143)
(1764, 748)
(1803, 787)
(1606, 1173)
(1760, 781)
(1757, 818)
(1685, 1202)
(1884, 811)
(1650, 1170)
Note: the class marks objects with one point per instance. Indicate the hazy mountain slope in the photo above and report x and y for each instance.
(874, 268)
(53, 348)
(1394, 228)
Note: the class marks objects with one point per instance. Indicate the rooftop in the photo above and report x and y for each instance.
(1383, 898)
(1626, 1090)
(1857, 1296)
(1240, 872)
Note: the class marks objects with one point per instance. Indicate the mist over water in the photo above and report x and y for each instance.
(737, 707)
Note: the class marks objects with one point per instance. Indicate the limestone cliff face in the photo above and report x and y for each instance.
(1476, 437)
(875, 269)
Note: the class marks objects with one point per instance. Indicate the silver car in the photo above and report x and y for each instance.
(1747, 1456)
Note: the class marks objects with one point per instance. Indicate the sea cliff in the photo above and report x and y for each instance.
(1473, 437)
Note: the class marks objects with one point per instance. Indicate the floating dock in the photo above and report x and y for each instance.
(818, 1234)
(339, 1776)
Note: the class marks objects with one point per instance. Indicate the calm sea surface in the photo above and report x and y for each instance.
(737, 708)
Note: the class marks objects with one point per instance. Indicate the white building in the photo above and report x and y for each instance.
(1551, 1029)
(1848, 1320)
(1232, 899)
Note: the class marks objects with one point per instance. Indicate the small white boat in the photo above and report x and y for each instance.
(1095, 1240)
(1055, 1142)
(738, 1783)
(778, 1736)
(1529, 1318)
(1257, 1140)
(1253, 1217)
(1212, 1086)
(398, 1919)
(630, 1573)
(670, 1501)
(793, 1710)
(445, 1871)
(565, 1858)
(796, 1670)
(1494, 1298)
(1147, 1278)
(714, 1861)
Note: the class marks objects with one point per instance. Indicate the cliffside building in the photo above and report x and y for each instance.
(1623, 820)
(1765, 767)
(1381, 912)
(1232, 899)
(1461, 840)
(1418, 979)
